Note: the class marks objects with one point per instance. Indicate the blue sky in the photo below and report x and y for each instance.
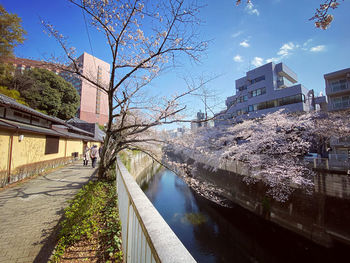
(241, 37)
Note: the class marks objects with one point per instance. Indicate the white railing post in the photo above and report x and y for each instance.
(146, 236)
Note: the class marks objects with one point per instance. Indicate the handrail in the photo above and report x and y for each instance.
(146, 236)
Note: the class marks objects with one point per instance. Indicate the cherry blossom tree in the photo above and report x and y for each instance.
(271, 147)
(143, 37)
(322, 17)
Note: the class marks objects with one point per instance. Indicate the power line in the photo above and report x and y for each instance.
(87, 31)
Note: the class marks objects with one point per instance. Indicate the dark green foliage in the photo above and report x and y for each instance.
(93, 212)
(47, 92)
(6, 74)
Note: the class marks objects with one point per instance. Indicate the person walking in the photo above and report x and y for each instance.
(93, 155)
(86, 156)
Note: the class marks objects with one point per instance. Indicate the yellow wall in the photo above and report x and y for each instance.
(74, 146)
(32, 149)
(4, 149)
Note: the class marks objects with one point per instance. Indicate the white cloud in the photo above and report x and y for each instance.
(257, 62)
(238, 58)
(251, 10)
(286, 49)
(244, 43)
(237, 34)
(318, 48)
(307, 42)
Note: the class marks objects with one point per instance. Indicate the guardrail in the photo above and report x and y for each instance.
(146, 236)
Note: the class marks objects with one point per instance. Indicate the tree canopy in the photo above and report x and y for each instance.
(11, 32)
(272, 147)
(14, 94)
(47, 92)
(143, 37)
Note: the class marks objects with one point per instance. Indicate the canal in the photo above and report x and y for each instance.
(216, 234)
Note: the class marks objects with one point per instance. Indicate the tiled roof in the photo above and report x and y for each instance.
(61, 124)
(76, 120)
(27, 127)
(9, 102)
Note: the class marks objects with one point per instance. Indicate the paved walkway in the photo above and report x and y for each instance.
(30, 212)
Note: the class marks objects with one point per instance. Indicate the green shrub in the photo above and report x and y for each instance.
(93, 212)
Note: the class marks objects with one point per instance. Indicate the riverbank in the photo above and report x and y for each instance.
(213, 233)
(320, 214)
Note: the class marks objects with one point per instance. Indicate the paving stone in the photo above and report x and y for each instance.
(30, 212)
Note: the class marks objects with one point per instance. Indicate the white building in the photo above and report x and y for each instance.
(263, 90)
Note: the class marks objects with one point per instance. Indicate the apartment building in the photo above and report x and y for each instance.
(93, 102)
(338, 89)
(266, 89)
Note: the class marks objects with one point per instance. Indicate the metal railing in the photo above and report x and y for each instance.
(146, 236)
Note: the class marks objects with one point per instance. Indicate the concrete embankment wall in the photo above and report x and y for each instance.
(309, 215)
(146, 236)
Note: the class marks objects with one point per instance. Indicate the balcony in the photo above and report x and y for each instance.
(283, 71)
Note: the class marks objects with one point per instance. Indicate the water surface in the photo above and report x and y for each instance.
(214, 234)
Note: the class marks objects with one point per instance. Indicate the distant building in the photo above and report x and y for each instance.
(338, 89)
(263, 90)
(180, 131)
(93, 102)
(195, 124)
(338, 94)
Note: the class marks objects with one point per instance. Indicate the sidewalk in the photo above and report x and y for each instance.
(30, 212)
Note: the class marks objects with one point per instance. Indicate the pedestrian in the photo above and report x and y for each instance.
(86, 156)
(93, 155)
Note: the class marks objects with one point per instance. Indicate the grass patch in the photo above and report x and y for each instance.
(92, 220)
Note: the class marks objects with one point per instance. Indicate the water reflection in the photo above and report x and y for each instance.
(214, 234)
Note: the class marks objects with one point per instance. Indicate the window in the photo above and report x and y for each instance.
(2, 111)
(241, 88)
(22, 117)
(252, 107)
(52, 143)
(341, 102)
(242, 99)
(257, 92)
(257, 79)
(338, 85)
(35, 121)
(242, 111)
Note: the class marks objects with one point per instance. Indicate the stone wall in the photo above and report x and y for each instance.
(315, 215)
(32, 169)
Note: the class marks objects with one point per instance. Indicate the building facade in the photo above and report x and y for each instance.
(93, 102)
(338, 89)
(32, 141)
(266, 89)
